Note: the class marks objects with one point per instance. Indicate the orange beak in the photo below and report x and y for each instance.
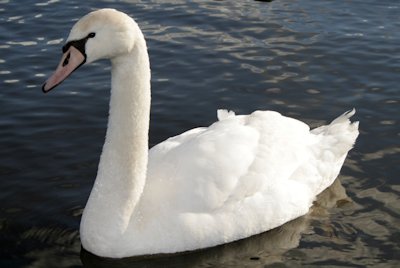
(71, 60)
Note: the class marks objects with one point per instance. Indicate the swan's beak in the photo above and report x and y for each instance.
(71, 60)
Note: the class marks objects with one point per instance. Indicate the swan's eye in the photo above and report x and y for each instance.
(91, 35)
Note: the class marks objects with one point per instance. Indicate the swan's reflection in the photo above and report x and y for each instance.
(267, 247)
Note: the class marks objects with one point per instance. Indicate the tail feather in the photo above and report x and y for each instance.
(335, 141)
(344, 117)
(342, 130)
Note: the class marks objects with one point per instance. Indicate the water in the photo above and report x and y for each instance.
(312, 60)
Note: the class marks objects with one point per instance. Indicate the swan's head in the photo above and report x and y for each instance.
(101, 34)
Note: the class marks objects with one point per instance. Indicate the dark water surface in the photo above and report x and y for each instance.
(312, 60)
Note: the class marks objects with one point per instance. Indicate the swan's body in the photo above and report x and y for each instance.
(241, 176)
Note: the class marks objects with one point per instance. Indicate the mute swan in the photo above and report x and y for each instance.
(243, 175)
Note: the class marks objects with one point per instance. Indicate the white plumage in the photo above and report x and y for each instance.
(243, 175)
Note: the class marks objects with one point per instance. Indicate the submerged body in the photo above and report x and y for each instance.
(241, 176)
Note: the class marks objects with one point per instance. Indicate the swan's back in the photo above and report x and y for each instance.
(241, 176)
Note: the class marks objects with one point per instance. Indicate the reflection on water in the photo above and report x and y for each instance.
(277, 246)
(312, 60)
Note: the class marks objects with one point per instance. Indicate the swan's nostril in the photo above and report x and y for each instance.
(66, 61)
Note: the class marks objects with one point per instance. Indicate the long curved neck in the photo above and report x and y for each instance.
(122, 169)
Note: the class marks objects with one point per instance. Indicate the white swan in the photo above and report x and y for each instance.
(241, 176)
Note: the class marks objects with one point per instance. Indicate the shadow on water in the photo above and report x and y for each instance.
(266, 248)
